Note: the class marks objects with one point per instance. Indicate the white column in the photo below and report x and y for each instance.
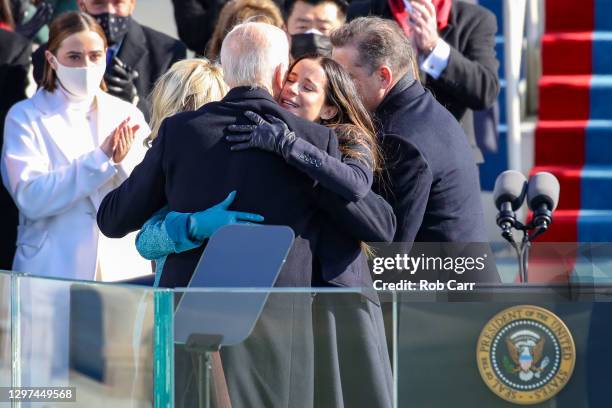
(514, 22)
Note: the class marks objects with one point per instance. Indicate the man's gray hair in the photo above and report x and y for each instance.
(378, 41)
(251, 52)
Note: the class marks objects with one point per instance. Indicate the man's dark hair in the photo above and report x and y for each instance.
(378, 42)
(289, 4)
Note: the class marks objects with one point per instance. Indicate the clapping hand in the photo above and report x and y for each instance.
(118, 144)
(424, 25)
(273, 136)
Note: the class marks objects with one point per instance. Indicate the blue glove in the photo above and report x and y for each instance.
(204, 223)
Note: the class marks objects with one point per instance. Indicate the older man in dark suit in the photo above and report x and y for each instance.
(455, 42)
(137, 55)
(190, 167)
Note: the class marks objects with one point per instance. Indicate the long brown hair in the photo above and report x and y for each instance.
(240, 11)
(60, 29)
(352, 123)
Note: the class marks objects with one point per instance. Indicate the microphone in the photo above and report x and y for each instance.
(509, 194)
(542, 198)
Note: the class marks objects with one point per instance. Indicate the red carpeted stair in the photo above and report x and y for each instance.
(575, 117)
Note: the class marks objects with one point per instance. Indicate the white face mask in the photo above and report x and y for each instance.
(81, 81)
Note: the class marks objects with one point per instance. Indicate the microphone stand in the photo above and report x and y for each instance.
(522, 250)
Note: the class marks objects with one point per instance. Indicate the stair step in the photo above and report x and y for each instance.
(569, 179)
(574, 143)
(600, 96)
(560, 143)
(602, 52)
(556, 47)
(572, 15)
(569, 15)
(596, 188)
(586, 188)
(598, 146)
(563, 228)
(575, 97)
(595, 226)
(564, 97)
(602, 11)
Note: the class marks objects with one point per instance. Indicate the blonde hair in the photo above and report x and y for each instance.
(186, 86)
(241, 11)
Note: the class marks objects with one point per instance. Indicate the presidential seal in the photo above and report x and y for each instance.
(525, 354)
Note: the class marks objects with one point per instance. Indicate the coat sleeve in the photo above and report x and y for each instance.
(126, 208)
(369, 219)
(471, 75)
(351, 178)
(39, 189)
(408, 185)
(161, 236)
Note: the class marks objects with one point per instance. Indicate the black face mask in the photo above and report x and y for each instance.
(114, 26)
(310, 44)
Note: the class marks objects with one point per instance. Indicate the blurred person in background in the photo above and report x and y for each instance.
(197, 20)
(235, 12)
(15, 51)
(34, 16)
(31, 18)
(136, 56)
(309, 23)
(455, 44)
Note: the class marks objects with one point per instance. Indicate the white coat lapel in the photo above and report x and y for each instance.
(104, 113)
(59, 131)
(69, 143)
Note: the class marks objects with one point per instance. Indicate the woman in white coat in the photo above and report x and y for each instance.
(64, 149)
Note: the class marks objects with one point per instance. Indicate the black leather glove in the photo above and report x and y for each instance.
(120, 80)
(273, 136)
(42, 16)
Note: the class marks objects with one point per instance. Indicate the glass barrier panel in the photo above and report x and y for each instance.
(503, 345)
(496, 346)
(96, 338)
(286, 347)
(433, 336)
(5, 332)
